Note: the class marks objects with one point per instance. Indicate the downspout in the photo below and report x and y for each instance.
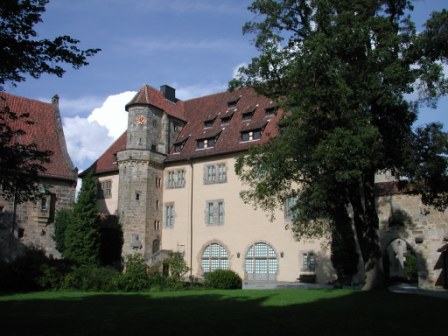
(191, 219)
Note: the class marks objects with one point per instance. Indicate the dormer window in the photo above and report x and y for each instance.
(248, 113)
(247, 116)
(179, 145)
(206, 143)
(207, 140)
(270, 111)
(233, 101)
(226, 120)
(251, 135)
(209, 123)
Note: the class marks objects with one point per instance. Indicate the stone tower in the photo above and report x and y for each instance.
(150, 133)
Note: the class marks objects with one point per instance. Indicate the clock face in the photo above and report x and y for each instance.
(141, 119)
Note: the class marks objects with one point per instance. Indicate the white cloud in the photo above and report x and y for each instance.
(86, 141)
(88, 138)
(112, 114)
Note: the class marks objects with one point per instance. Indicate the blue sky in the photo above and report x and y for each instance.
(193, 45)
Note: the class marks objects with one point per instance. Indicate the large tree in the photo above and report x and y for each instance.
(342, 70)
(22, 53)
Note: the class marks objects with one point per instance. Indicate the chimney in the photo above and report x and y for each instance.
(169, 93)
(55, 101)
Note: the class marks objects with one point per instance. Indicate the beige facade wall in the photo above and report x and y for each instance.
(109, 205)
(243, 226)
(401, 217)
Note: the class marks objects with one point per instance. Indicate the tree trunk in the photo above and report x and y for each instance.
(367, 232)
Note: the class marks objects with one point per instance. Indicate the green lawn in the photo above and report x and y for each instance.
(239, 312)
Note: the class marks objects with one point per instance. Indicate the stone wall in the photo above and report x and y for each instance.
(424, 230)
(34, 225)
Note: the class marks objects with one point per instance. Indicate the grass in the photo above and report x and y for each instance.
(213, 312)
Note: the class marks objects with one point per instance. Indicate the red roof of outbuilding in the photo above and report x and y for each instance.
(46, 132)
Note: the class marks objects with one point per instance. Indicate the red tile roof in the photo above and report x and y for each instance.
(46, 132)
(195, 112)
(216, 107)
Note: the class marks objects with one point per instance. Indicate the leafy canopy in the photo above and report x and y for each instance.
(342, 70)
(22, 53)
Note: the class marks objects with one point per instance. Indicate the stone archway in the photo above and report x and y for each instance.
(400, 261)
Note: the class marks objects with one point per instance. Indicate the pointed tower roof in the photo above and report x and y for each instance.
(148, 95)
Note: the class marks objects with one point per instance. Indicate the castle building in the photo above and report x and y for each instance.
(32, 223)
(170, 179)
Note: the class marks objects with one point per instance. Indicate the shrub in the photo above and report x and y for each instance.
(177, 265)
(223, 279)
(410, 268)
(92, 278)
(53, 274)
(32, 271)
(135, 277)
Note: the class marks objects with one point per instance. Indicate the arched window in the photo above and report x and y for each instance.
(214, 257)
(261, 262)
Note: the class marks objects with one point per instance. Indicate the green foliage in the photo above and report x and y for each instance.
(427, 165)
(63, 219)
(22, 53)
(177, 265)
(82, 239)
(223, 279)
(32, 271)
(92, 278)
(343, 70)
(135, 276)
(411, 268)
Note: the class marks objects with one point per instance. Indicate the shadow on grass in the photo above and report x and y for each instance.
(278, 312)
